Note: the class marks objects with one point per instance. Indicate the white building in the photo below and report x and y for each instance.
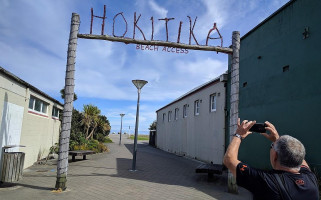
(28, 117)
(194, 124)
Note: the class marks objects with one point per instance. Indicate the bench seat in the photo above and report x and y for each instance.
(210, 169)
(80, 153)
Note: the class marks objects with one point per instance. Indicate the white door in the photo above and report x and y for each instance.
(10, 131)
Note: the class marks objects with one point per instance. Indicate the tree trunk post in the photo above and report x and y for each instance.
(234, 100)
(62, 165)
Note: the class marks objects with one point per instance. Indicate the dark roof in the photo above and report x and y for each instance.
(205, 85)
(268, 18)
(14, 77)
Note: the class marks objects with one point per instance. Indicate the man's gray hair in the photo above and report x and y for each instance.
(291, 151)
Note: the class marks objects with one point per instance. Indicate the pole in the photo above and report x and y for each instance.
(62, 165)
(234, 100)
(136, 133)
(121, 127)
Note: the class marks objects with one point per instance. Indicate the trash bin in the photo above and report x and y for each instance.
(12, 165)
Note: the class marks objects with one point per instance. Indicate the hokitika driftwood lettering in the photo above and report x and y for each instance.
(136, 26)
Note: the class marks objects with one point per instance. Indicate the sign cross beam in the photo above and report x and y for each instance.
(157, 43)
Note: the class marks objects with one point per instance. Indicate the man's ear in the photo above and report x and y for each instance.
(275, 156)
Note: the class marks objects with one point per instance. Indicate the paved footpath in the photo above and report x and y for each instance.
(160, 175)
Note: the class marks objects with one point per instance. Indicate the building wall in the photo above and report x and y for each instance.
(281, 71)
(196, 136)
(37, 133)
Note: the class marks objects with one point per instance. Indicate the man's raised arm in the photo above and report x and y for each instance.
(230, 158)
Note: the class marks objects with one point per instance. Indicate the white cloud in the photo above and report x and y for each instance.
(158, 9)
(205, 70)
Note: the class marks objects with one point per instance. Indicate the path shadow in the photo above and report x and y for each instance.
(12, 185)
(157, 166)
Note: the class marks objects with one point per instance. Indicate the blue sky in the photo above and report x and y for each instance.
(34, 38)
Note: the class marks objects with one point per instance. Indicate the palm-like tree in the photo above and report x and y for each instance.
(90, 117)
(98, 123)
(103, 125)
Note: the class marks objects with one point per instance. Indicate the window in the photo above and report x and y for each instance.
(213, 102)
(164, 114)
(185, 111)
(169, 116)
(176, 113)
(197, 107)
(38, 105)
(55, 112)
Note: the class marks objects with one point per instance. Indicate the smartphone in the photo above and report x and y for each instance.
(258, 128)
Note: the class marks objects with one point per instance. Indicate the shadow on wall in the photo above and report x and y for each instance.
(41, 155)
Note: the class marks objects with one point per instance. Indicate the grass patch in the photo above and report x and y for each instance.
(140, 137)
(108, 140)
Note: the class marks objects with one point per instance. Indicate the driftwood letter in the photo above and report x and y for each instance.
(92, 19)
(152, 18)
(179, 31)
(191, 29)
(114, 25)
(166, 22)
(135, 25)
(209, 32)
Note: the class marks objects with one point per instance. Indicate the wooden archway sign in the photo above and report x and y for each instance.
(62, 165)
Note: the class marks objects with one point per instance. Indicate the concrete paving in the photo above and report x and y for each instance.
(159, 175)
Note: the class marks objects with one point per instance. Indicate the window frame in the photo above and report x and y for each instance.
(213, 99)
(185, 111)
(197, 107)
(164, 117)
(52, 113)
(169, 116)
(176, 114)
(42, 103)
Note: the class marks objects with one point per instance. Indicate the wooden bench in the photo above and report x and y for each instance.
(80, 153)
(210, 169)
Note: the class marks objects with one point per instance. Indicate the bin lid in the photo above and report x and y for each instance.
(12, 146)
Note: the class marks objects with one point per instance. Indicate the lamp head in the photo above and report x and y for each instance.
(139, 83)
(122, 115)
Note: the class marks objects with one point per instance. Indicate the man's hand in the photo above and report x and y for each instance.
(243, 129)
(273, 136)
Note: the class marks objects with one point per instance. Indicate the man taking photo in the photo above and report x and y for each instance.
(291, 177)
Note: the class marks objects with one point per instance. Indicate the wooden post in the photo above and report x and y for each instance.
(62, 165)
(234, 100)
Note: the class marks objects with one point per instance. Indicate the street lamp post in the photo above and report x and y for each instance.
(121, 127)
(139, 85)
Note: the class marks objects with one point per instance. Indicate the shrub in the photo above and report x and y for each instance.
(102, 148)
(100, 137)
(107, 140)
(93, 145)
(54, 149)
